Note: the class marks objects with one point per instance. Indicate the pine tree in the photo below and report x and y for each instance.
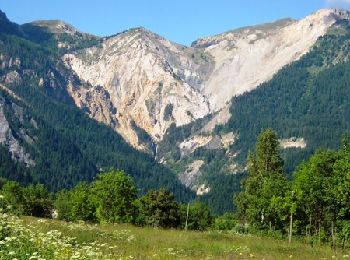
(264, 184)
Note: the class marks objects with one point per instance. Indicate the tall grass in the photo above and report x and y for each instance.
(121, 241)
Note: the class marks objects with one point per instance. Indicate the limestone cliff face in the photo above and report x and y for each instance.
(8, 139)
(138, 77)
(146, 80)
(247, 57)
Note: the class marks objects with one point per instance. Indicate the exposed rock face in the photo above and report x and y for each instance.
(190, 177)
(7, 138)
(13, 78)
(202, 190)
(138, 76)
(293, 143)
(188, 146)
(247, 57)
(149, 80)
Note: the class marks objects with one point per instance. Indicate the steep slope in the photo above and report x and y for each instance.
(170, 100)
(151, 82)
(307, 101)
(247, 57)
(167, 99)
(44, 137)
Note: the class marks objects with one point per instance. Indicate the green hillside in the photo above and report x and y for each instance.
(308, 99)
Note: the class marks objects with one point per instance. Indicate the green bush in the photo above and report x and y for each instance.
(77, 204)
(225, 222)
(158, 209)
(199, 216)
(37, 201)
(115, 195)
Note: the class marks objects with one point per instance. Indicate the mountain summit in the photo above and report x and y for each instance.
(153, 83)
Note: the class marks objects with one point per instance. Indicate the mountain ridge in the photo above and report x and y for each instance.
(179, 103)
(209, 76)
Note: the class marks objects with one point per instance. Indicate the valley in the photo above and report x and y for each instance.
(183, 117)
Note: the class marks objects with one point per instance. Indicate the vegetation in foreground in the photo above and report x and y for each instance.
(34, 238)
(315, 204)
(313, 208)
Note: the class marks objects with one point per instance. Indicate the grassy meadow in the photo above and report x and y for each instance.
(122, 241)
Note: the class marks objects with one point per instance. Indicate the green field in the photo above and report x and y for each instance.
(121, 241)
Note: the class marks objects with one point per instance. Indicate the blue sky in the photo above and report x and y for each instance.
(182, 21)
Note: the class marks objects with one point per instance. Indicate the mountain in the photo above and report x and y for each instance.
(153, 82)
(167, 99)
(44, 137)
(197, 109)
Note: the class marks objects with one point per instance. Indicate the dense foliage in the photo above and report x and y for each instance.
(199, 216)
(315, 203)
(264, 185)
(115, 193)
(158, 209)
(110, 198)
(33, 200)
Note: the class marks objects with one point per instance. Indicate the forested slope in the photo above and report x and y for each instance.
(65, 145)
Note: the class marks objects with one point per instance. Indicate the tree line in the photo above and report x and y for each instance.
(110, 198)
(315, 204)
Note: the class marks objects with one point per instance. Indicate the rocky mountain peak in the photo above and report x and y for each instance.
(261, 29)
(152, 82)
(55, 26)
(337, 13)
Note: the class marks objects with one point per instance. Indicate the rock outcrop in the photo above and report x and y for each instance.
(246, 57)
(8, 139)
(138, 77)
(149, 80)
(293, 143)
